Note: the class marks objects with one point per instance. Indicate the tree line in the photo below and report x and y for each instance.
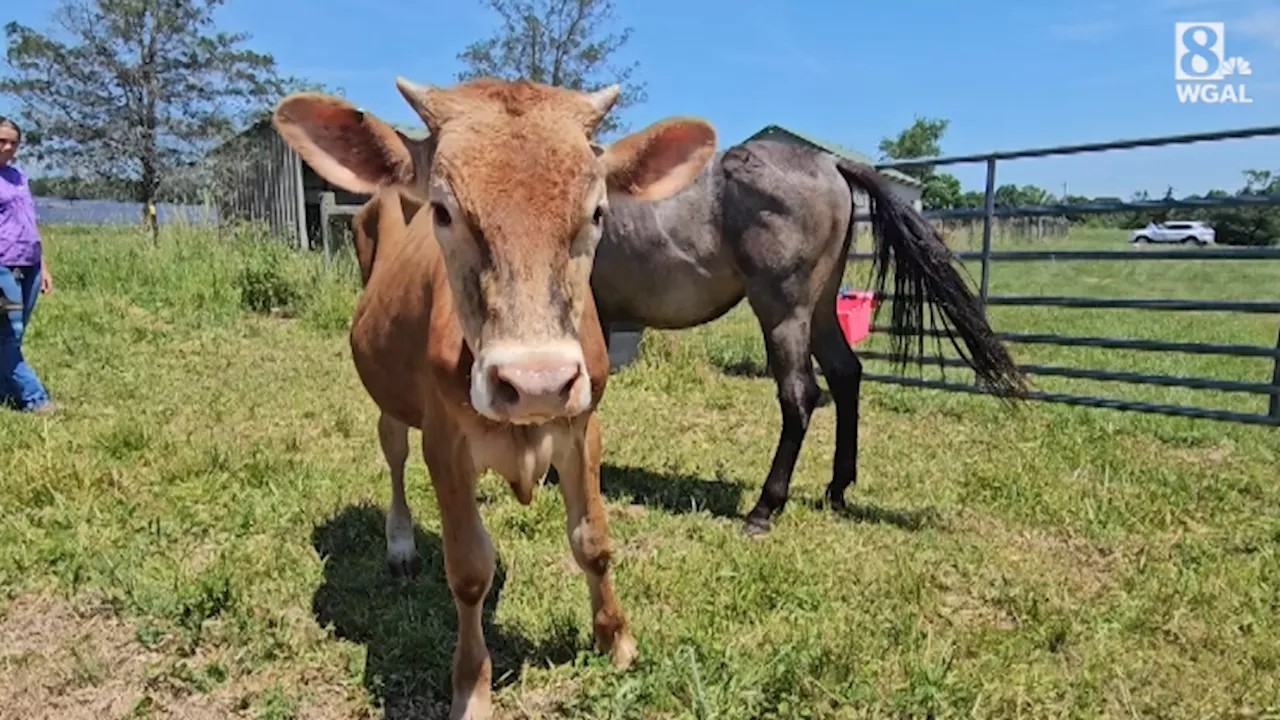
(127, 98)
(1253, 225)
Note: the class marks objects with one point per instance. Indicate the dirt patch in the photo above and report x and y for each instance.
(630, 510)
(1089, 569)
(57, 663)
(643, 546)
(85, 663)
(1207, 457)
(1026, 573)
(540, 704)
(964, 605)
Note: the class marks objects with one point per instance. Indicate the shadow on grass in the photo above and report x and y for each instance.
(751, 369)
(741, 367)
(723, 499)
(408, 628)
(903, 519)
(675, 493)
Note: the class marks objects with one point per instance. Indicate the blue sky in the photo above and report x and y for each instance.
(1006, 74)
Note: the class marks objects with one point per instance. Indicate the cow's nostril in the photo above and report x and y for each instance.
(568, 386)
(503, 391)
(534, 384)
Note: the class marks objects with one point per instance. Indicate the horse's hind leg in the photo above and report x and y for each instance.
(786, 329)
(843, 371)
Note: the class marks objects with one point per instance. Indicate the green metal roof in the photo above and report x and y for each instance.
(842, 151)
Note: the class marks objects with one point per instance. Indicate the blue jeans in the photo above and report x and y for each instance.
(20, 286)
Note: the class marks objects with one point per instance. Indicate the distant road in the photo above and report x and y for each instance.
(63, 210)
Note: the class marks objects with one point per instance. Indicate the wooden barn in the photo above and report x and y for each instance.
(260, 178)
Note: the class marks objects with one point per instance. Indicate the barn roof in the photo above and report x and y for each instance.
(842, 151)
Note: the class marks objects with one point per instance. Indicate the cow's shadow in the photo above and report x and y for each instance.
(408, 628)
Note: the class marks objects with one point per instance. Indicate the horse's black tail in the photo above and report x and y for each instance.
(924, 275)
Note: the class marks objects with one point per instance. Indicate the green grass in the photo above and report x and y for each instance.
(200, 529)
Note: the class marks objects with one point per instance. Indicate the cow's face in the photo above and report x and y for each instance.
(517, 195)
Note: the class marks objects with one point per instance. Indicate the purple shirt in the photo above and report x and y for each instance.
(19, 239)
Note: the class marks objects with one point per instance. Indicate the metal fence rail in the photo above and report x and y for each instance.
(987, 256)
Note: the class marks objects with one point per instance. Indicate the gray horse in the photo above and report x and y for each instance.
(772, 222)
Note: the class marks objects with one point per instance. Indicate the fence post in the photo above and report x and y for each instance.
(987, 218)
(1274, 407)
(327, 203)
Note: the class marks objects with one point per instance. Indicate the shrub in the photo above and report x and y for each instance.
(265, 282)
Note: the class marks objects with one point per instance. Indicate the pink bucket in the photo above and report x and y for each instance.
(854, 312)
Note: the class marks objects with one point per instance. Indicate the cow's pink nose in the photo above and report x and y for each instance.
(534, 386)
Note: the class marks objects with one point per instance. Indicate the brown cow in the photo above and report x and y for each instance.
(476, 323)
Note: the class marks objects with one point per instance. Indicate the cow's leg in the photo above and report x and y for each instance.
(469, 566)
(578, 461)
(402, 555)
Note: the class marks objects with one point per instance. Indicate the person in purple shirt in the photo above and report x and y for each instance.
(23, 271)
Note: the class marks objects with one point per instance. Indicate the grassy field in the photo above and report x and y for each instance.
(199, 532)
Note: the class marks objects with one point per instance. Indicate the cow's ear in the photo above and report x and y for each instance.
(659, 160)
(346, 146)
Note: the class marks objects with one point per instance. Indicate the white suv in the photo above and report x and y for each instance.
(1185, 231)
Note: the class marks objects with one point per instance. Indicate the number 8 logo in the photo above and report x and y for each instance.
(1197, 49)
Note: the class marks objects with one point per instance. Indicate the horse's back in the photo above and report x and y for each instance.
(789, 180)
(787, 208)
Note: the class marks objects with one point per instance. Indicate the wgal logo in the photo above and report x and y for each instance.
(1202, 67)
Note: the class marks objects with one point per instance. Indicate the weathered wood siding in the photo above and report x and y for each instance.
(261, 178)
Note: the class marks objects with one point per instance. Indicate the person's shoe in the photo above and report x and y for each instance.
(48, 408)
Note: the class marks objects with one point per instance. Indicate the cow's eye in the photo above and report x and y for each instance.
(441, 215)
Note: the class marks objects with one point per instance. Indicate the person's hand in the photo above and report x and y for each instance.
(46, 281)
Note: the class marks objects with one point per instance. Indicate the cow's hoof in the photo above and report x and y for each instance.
(623, 652)
(474, 707)
(404, 567)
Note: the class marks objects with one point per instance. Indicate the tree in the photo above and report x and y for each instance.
(973, 199)
(941, 192)
(1008, 195)
(76, 188)
(1261, 182)
(1034, 195)
(923, 138)
(557, 42)
(1259, 226)
(138, 91)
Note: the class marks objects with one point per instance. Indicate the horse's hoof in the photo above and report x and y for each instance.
(756, 527)
(837, 503)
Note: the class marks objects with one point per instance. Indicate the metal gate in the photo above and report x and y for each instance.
(987, 256)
